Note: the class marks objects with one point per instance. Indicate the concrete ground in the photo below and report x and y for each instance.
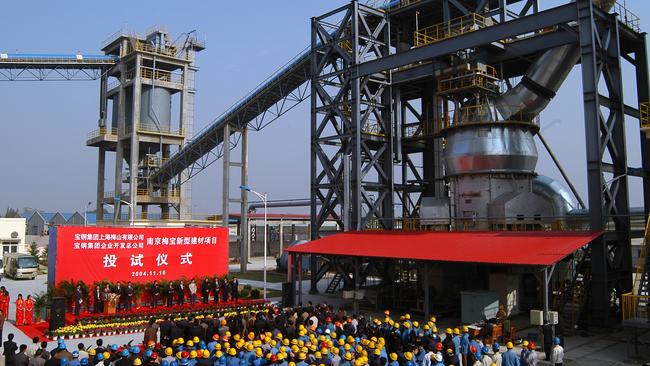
(602, 349)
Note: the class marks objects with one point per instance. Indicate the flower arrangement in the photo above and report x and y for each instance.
(104, 325)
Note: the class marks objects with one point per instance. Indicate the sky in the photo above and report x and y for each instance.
(45, 163)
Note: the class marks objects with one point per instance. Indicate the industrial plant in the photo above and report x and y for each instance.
(425, 123)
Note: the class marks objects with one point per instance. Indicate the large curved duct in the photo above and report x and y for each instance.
(555, 193)
(543, 79)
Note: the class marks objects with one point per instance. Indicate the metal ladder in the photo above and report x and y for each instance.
(334, 284)
(642, 266)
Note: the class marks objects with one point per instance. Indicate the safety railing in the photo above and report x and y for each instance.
(480, 224)
(156, 129)
(161, 75)
(640, 267)
(477, 114)
(424, 129)
(113, 84)
(635, 307)
(627, 17)
(15, 58)
(101, 132)
(153, 161)
(455, 27)
(481, 77)
(644, 114)
(143, 46)
(159, 193)
(373, 128)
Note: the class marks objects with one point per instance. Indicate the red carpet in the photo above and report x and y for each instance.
(36, 330)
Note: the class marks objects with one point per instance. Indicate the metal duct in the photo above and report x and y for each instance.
(543, 79)
(560, 197)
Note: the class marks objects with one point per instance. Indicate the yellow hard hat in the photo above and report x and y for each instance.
(92, 352)
(249, 347)
(302, 356)
(525, 343)
(509, 345)
(324, 351)
(169, 351)
(408, 356)
(232, 351)
(416, 324)
(107, 355)
(407, 316)
(393, 356)
(180, 340)
(193, 354)
(335, 351)
(407, 325)
(456, 331)
(280, 356)
(218, 354)
(318, 355)
(258, 352)
(196, 340)
(291, 363)
(433, 319)
(465, 329)
(377, 352)
(449, 331)
(190, 343)
(137, 362)
(426, 327)
(206, 353)
(348, 356)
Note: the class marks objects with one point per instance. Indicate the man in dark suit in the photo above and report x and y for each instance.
(9, 350)
(118, 290)
(78, 300)
(234, 289)
(170, 294)
(128, 294)
(165, 331)
(205, 290)
(98, 302)
(155, 294)
(224, 289)
(180, 292)
(21, 359)
(215, 289)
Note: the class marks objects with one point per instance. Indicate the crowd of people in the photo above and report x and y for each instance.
(302, 336)
(173, 293)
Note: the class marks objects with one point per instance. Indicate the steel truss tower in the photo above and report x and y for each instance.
(374, 107)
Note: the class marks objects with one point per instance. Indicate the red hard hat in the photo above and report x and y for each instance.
(184, 354)
(531, 345)
(273, 358)
(472, 349)
(439, 346)
(154, 356)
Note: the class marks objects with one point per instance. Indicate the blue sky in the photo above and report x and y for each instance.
(45, 163)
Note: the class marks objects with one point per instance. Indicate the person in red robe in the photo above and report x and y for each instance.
(5, 309)
(20, 310)
(3, 299)
(29, 310)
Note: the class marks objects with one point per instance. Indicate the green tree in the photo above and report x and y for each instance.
(11, 212)
(33, 250)
(44, 255)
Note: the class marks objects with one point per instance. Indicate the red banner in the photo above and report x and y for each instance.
(138, 254)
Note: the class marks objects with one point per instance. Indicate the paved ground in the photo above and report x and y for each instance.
(601, 350)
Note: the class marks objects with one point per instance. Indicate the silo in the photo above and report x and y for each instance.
(156, 108)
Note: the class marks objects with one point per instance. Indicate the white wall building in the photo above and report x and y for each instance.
(12, 235)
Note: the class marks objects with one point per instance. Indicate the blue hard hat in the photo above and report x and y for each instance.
(496, 347)
(485, 349)
(173, 363)
(125, 353)
(202, 345)
(164, 363)
(83, 362)
(61, 344)
(75, 354)
(135, 350)
(114, 347)
(100, 357)
(556, 340)
(63, 361)
(185, 362)
(148, 353)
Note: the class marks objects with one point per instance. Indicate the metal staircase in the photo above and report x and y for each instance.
(334, 284)
(571, 297)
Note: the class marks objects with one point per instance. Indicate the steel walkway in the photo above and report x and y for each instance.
(275, 96)
(40, 67)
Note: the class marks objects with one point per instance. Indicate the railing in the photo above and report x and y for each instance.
(487, 79)
(627, 17)
(477, 114)
(424, 129)
(56, 59)
(161, 75)
(102, 131)
(635, 307)
(640, 267)
(155, 161)
(372, 128)
(482, 224)
(163, 130)
(143, 46)
(455, 27)
(163, 192)
(644, 114)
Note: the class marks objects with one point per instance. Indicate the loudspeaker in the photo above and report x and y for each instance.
(287, 294)
(57, 313)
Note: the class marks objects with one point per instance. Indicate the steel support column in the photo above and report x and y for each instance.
(605, 140)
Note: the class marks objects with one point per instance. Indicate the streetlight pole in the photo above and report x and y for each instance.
(86, 213)
(264, 198)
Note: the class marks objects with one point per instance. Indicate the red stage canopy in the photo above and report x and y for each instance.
(539, 248)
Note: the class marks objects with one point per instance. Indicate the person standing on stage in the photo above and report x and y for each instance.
(98, 296)
(215, 289)
(180, 292)
(192, 288)
(78, 300)
(3, 299)
(118, 290)
(155, 294)
(205, 290)
(128, 292)
(29, 310)
(224, 289)
(170, 294)
(234, 289)
(20, 310)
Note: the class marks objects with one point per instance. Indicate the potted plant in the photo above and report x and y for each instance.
(40, 302)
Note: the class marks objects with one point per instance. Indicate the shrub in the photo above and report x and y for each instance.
(248, 287)
(244, 293)
(255, 294)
